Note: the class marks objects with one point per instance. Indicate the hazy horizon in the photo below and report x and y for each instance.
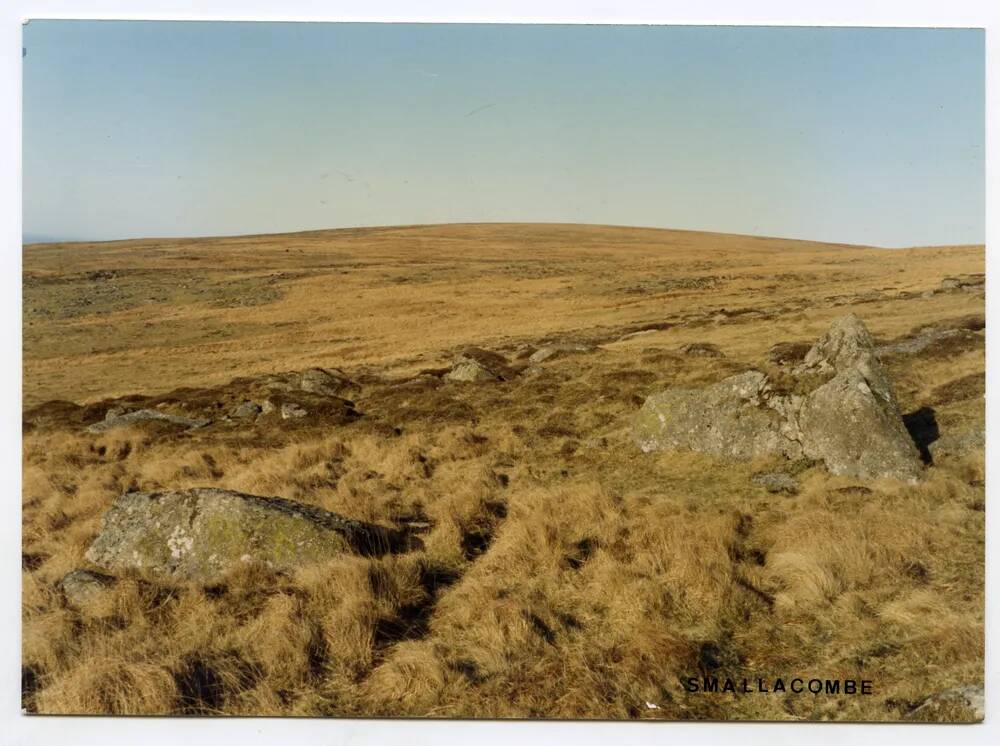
(32, 240)
(179, 129)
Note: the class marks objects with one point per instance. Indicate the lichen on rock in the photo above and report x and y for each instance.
(200, 534)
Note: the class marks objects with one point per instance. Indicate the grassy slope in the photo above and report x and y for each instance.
(565, 574)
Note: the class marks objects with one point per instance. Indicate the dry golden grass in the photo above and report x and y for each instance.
(563, 573)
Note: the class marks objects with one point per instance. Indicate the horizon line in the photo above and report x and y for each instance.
(392, 226)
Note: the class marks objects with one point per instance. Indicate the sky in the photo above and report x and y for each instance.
(138, 129)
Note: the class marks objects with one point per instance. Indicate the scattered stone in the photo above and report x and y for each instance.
(476, 364)
(325, 382)
(469, 371)
(266, 407)
(549, 352)
(246, 411)
(492, 361)
(963, 703)
(290, 410)
(776, 482)
(116, 417)
(200, 534)
(87, 591)
(702, 349)
(849, 420)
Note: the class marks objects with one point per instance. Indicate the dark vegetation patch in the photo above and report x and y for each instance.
(204, 683)
(970, 386)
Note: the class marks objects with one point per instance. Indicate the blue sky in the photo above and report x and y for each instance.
(871, 136)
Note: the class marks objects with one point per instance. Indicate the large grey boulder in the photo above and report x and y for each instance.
(849, 419)
(200, 534)
(731, 418)
(856, 430)
(852, 422)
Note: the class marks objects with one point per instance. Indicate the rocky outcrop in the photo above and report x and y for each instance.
(470, 371)
(327, 382)
(968, 283)
(319, 381)
(120, 418)
(242, 403)
(731, 418)
(857, 431)
(200, 534)
(847, 417)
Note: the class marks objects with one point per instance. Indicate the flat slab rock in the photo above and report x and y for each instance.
(549, 352)
(850, 419)
(116, 418)
(200, 534)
